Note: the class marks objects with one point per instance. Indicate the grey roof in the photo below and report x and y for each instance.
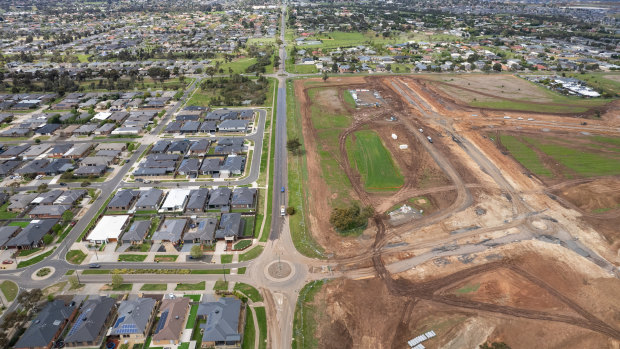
(133, 316)
(160, 146)
(197, 199)
(233, 125)
(21, 200)
(60, 148)
(123, 198)
(149, 171)
(204, 231)
(69, 197)
(90, 170)
(47, 198)
(222, 320)
(8, 166)
(15, 150)
(137, 231)
(231, 225)
(211, 165)
(44, 327)
(6, 232)
(200, 145)
(171, 230)
(220, 196)
(243, 196)
(150, 198)
(233, 164)
(33, 233)
(90, 322)
(189, 165)
(49, 210)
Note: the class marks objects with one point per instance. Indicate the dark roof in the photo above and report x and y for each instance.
(220, 196)
(123, 198)
(189, 165)
(205, 230)
(48, 128)
(231, 224)
(133, 316)
(197, 199)
(33, 233)
(243, 196)
(44, 327)
(91, 320)
(6, 232)
(222, 320)
(150, 197)
(137, 231)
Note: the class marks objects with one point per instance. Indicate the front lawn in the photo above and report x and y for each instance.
(154, 287)
(131, 257)
(220, 285)
(75, 256)
(248, 290)
(9, 289)
(199, 286)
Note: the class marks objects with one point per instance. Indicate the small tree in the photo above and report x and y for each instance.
(325, 76)
(293, 145)
(290, 210)
(67, 216)
(497, 67)
(196, 252)
(117, 280)
(85, 184)
(42, 187)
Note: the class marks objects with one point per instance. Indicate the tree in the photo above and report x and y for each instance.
(494, 345)
(290, 210)
(85, 184)
(293, 145)
(352, 217)
(325, 76)
(30, 299)
(74, 282)
(37, 141)
(117, 280)
(196, 252)
(497, 67)
(42, 187)
(67, 216)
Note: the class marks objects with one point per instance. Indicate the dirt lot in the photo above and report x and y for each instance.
(543, 296)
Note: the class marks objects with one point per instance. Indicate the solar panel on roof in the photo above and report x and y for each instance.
(119, 321)
(79, 321)
(162, 321)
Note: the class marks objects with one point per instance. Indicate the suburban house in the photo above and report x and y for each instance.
(6, 233)
(224, 323)
(199, 147)
(135, 319)
(136, 232)
(219, 198)
(90, 327)
(203, 232)
(47, 327)
(173, 314)
(233, 126)
(70, 197)
(176, 200)
(32, 235)
(19, 202)
(233, 165)
(87, 171)
(170, 231)
(108, 229)
(197, 200)
(47, 198)
(149, 199)
(231, 227)
(48, 211)
(123, 200)
(211, 166)
(189, 167)
(243, 198)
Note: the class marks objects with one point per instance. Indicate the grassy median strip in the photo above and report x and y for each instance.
(304, 322)
(157, 271)
(220, 285)
(249, 333)
(249, 291)
(261, 317)
(75, 256)
(9, 289)
(251, 254)
(36, 259)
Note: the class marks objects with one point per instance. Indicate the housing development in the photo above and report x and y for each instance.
(304, 174)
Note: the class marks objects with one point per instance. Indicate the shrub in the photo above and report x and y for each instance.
(351, 217)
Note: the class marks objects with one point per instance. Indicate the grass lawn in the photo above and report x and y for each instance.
(261, 317)
(122, 287)
(191, 320)
(297, 175)
(302, 69)
(132, 257)
(242, 244)
(526, 106)
(226, 258)
(468, 288)
(249, 333)
(199, 286)
(36, 259)
(19, 224)
(24, 253)
(220, 285)
(210, 271)
(248, 290)
(525, 155)
(154, 287)
(75, 256)
(9, 289)
(251, 254)
(304, 322)
(165, 258)
(248, 229)
(373, 161)
(4, 214)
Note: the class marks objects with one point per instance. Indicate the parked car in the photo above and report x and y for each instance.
(94, 266)
(7, 261)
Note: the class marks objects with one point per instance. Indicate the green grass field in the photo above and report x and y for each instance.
(199, 286)
(251, 254)
(154, 287)
(36, 259)
(226, 258)
(525, 106)
(4, 214)
(9, 289)
(304, 322)
(249, 291)
(131, 257)
(261, 317)
(75, 256)
(220, 285)
(373, 161)
(249, 333)
(578, 156)
(191, 320)
(297, 176)
(18, 224)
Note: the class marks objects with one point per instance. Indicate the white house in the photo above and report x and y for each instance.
(175, 201)
(108, 229)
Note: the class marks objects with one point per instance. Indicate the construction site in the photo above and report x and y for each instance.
(495, 212)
